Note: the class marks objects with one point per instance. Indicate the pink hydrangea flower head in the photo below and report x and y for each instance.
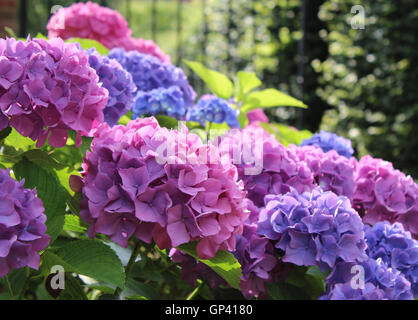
(48, 88)
(331, 171)
(384, 193)
(22, 225)
(263, 163)
(89, 20)
(92, 21)
(163, 185)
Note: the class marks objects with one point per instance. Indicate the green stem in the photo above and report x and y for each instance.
(25, 284)
(129, 266)
(208, 126)
(195, 291)
(9, 287)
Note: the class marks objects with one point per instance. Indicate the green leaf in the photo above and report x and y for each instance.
(10, 32)
(93, 259)
(50, 259)
(285, 134)
(286, 291)
(43, 159)
(49, 191)
(269, 98)
(243, 119)
(217, 82)
(17, 141)
(167, 122)
(73, 223)
(224, 264)
(41, 36)
(247, 81)
(73, 290)
(89, 43)
(135, 288)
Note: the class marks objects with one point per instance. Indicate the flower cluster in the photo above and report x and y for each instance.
(313, 228)
(107, 26)
(264, 164)
(331, 171)
(150, 73)
(117, 81)
(48, 87)
(380, 282)
(168, 101)
(22, 225)
(330, 141)
(257, 259)
(383, 193)
(210, 108)
(395, 247)
(157, 184)
(191, 270)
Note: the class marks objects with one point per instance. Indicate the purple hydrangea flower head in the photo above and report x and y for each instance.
(210, 108)
(381, 282)
(257, 259)
(384, 193)
(264, 164)
(330, 141)
(191, 270)
(157, 184)
(313, 228)
(47, 88)
(117, 81)
(331, 171)
(395, 247)
(149, 73)
(168, 101)
(22, 225)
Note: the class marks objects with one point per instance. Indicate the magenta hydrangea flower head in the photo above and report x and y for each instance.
(384, 193)
(331, 171)
(92, 21)
(264, 164)
(117, 81)
(47, 88)
(395, 247)
(22, 225)
(313, 228)
(380, 282)
(163, 185)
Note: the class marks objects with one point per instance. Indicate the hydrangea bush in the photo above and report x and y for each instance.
(113, 169)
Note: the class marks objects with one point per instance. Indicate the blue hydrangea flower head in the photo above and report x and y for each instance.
(395, 247)
(330, 141)
(168, 101)
(210, 108)
(117, 81)
(149, 74)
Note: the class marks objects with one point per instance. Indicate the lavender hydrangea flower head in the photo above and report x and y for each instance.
(117, 81)
(168, 101)
(22, 225)
(384, 193)
(47, 88)
(313, 228)
(330, 141)
(150, 73)
(381, 282)
(210, 108)
(146, 180)
(331, 171)
(264, 164)
(395, 247)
